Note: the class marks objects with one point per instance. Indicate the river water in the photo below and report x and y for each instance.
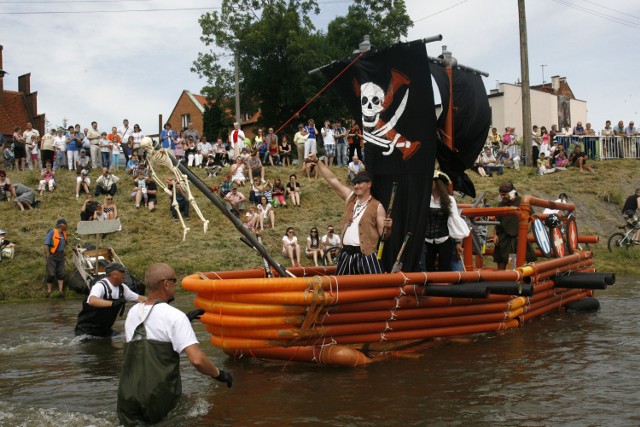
(562, 369)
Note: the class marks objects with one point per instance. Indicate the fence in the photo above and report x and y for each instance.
(603, 147)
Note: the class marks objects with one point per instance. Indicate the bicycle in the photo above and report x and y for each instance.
(626, 239)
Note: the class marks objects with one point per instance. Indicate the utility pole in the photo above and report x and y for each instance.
(526, 95)
(236, 55)
(542, 67)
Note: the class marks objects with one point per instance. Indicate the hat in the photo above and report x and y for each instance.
(2, 232)
(362, 176)
(441, 176)
(83, 150)
(115, 266)
(61, 221)
(506, 187)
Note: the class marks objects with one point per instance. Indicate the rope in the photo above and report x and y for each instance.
(314, 309)
(320, 92)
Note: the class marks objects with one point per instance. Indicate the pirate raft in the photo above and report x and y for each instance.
(312, 315)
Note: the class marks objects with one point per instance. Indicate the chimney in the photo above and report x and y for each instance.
(555, 83)
(24, 84)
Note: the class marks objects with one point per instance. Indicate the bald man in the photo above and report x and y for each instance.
(156, 334)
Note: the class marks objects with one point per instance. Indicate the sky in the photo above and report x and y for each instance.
(90, 61)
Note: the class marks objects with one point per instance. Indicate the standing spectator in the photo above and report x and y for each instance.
(60, 144)
(313, 248)
(137, 135)
(74, 145)
(106, 183)
(536, 141)
(340, 135)
(31, 139)
(299, 141)
(355, 140)
(578, 130)
(105, 147)
(235, 200)
(266, 211)
(259, 144)
(494, 139)
(148, 390)
(293, 190)
(506, 238)
(310, 145)
(124, 132)
(47, 148)
(236, 139)
(330, 243)
(191, 133)
(168, 138)
(179, 144)
(54, 245)
(128, 151)
(329, 143)
(285, 151)
(180, 198)
(114, 138)
(25, 197)
(93, 135)
(110, 208)
(545, 140)
(19, 150)
(291, 248)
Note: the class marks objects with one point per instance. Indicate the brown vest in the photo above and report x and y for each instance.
(368, 226)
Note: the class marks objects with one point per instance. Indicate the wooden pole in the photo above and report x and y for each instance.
(526, 95)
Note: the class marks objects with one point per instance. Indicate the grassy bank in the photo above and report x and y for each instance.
(153, 236)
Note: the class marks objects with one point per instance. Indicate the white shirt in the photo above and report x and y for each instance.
(352, 233)
(333, 241)
(60, 143)
(164, 323)
(125, 132)
(327, 136)
(236, 136)
(98, 291)
(289, 242)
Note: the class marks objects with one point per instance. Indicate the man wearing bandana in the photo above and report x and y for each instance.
(506, 239)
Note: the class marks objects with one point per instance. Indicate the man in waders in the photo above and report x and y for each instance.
(363, 224)
(54, 244)
(156, 334)
(105, 301)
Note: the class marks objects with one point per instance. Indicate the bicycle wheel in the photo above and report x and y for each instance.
(331, 255)
(617, 241)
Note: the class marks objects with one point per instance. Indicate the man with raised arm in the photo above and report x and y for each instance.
(363, 224)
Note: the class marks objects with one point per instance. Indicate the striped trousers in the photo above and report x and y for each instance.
(353, 261)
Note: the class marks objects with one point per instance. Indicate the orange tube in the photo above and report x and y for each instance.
(554, 305)
(243, 309)
(331, 355)
(250, 321)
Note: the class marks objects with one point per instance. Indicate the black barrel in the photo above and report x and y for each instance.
(609, 278)
(580, 282)
(508, 288)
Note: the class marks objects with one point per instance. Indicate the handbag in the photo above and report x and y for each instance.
(458, 228)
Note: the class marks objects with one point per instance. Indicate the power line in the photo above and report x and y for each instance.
(612, 9)
(68, 1)
(443, 10)
(599, 14)
(81, 12)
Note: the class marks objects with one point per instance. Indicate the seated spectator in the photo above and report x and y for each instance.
(330, 242)
(278, 192)
(255, 193)
(235, 201)
(109, 208)
(88, 208)
(48, 180)
(354, 166)
(220, 153)
(313, 247)
(140, 189)
(99, 214)
(266, 211)
(255, 167)
(291, 248)
(25, 197)
(293, 190)
(132, 164)
(106, 183)
(6, 189)
(490, 163)
(285, 151)
(7, 248)
(211, 167)
(181, 200)
(544, 167)
(237, 172)
(562, 198)
(273, 152)
(83, 161)
(494, 138)
(560, 160)
(152, 193)
(252, 218)
(579, 159)
(225, 186)
(82, 181)
(310, 168)
(267, 191)
(508, 157)
(477, 166)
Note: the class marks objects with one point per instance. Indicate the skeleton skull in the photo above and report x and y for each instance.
(371, 99)
(146, 143)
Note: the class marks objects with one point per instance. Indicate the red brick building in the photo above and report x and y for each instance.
(190, 108)
(18, 108)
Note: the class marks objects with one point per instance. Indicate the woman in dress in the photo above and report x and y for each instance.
(278, 192)
(266, 210)
(293, 190)
(110, 209)
(285, 151)
(545, 138)
(137, 135)
(179, 148)
(314, 249)
(237, 172)
(291, 248)
(19, 150)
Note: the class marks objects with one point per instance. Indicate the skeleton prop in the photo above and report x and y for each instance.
(375, 101)
(161, 158)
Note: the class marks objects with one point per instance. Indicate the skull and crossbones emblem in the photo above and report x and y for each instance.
(374, 101)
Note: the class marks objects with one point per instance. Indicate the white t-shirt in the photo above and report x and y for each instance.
(328, 242)
(60, 143)
(288, 242)
(327, 136)
(125, 133)
(98, 291)
(164, 324)
(237, 138)
(264, 210)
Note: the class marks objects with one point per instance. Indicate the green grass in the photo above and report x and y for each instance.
(149, 237)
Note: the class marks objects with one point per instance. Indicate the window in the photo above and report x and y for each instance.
(185, 119)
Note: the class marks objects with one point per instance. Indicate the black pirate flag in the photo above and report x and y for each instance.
(389, 94)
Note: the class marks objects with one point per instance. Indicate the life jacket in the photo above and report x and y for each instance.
(150, 384)
(56, 239)
(97, 321)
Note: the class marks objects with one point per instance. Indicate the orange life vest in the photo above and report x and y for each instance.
(56, 239)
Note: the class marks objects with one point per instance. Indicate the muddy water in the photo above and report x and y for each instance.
(563, 369)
